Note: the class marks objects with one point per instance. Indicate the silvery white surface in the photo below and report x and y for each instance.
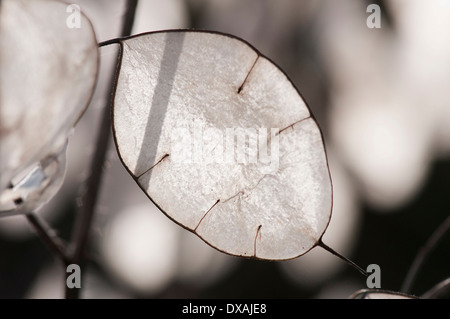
(39, 185)
(176, 95)
(48, 73)
(379, 294)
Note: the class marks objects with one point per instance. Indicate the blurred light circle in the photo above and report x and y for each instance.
(385, 146)
(140, 247)
(199, 264)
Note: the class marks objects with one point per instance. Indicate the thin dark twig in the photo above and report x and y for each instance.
(48, 236)
(438, 289)
(111, 41)
(86, 212)
(348, 261)
(423, 254)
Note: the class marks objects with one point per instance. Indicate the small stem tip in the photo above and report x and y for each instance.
(348, 261)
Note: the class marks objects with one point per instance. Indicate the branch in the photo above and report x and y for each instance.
(48, 236)
(423, 254)
(438, 290)
(86, 211)
(348, 261)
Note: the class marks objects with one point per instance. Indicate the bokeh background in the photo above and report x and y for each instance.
(382, 99)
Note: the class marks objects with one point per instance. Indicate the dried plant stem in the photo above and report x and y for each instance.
(348, 261)
(439, 289)
(423, 254)
(48, 236)
(86, 212)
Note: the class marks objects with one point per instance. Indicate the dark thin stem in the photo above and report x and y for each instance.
(438, 290)
(111, 41)
(48, 236)
(128, 21)
(423, 254)
(348, 261)
(86, 212)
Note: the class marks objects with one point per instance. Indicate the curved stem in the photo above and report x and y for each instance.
(89, 200)
(48, 236)
(423, 254)
(348, 261)
(439, 289)
(111, 41)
